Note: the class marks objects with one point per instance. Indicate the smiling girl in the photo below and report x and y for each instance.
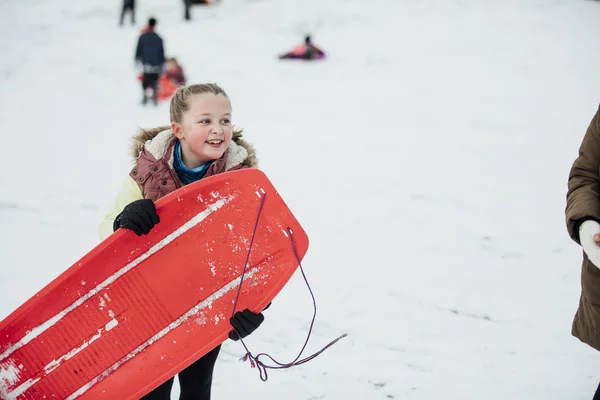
(200, 142)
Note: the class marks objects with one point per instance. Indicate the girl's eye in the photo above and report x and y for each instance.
(225, 121)
(205, 121)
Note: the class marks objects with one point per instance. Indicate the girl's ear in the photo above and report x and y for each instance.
(176, 128)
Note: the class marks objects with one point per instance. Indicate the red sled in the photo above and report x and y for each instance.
(136, 310)
(166, 87)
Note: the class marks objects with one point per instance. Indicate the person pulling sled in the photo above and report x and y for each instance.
(150, 54)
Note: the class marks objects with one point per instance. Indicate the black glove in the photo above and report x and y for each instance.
(245, 322)
(140, 216)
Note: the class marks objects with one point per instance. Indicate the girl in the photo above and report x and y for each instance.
(200, 142)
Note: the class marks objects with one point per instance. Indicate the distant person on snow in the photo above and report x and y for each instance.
(188, 5)
(188, 150)
(583, 225)
(174, 71)
(150, 54)
(306, 51)
(128, 6)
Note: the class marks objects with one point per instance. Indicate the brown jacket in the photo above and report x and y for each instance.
(583, 202)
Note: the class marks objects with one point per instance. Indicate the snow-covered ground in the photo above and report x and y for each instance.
(427, 159)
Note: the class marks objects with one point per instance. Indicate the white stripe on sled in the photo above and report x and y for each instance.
(52, 365)
(234, 284)
(38, 330)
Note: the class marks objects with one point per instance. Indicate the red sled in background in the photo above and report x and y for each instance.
(166, 87)
(306, 51)
(136, 310)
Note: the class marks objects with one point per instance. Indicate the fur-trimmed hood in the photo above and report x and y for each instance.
(157, 140)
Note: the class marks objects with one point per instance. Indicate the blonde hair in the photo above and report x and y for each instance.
(179, 101)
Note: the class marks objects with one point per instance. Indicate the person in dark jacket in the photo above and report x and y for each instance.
(150, 54)
(188, 5)
(128, 6)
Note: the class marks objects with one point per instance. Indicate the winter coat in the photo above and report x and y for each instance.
(583, 202)
(150, 52)
(153, 175)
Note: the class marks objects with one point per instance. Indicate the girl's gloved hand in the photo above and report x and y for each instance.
(140, 216)
(244, 322)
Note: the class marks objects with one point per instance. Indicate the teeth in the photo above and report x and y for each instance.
(215, 141)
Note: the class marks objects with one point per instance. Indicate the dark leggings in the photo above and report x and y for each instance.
(195, 380)
(150, 81)
(128, 6)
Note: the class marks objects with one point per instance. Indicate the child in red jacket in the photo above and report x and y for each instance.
(174, 71)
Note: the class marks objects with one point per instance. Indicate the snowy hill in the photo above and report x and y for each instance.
(427, 159)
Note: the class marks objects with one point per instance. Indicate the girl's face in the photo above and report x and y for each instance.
(205, 130)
